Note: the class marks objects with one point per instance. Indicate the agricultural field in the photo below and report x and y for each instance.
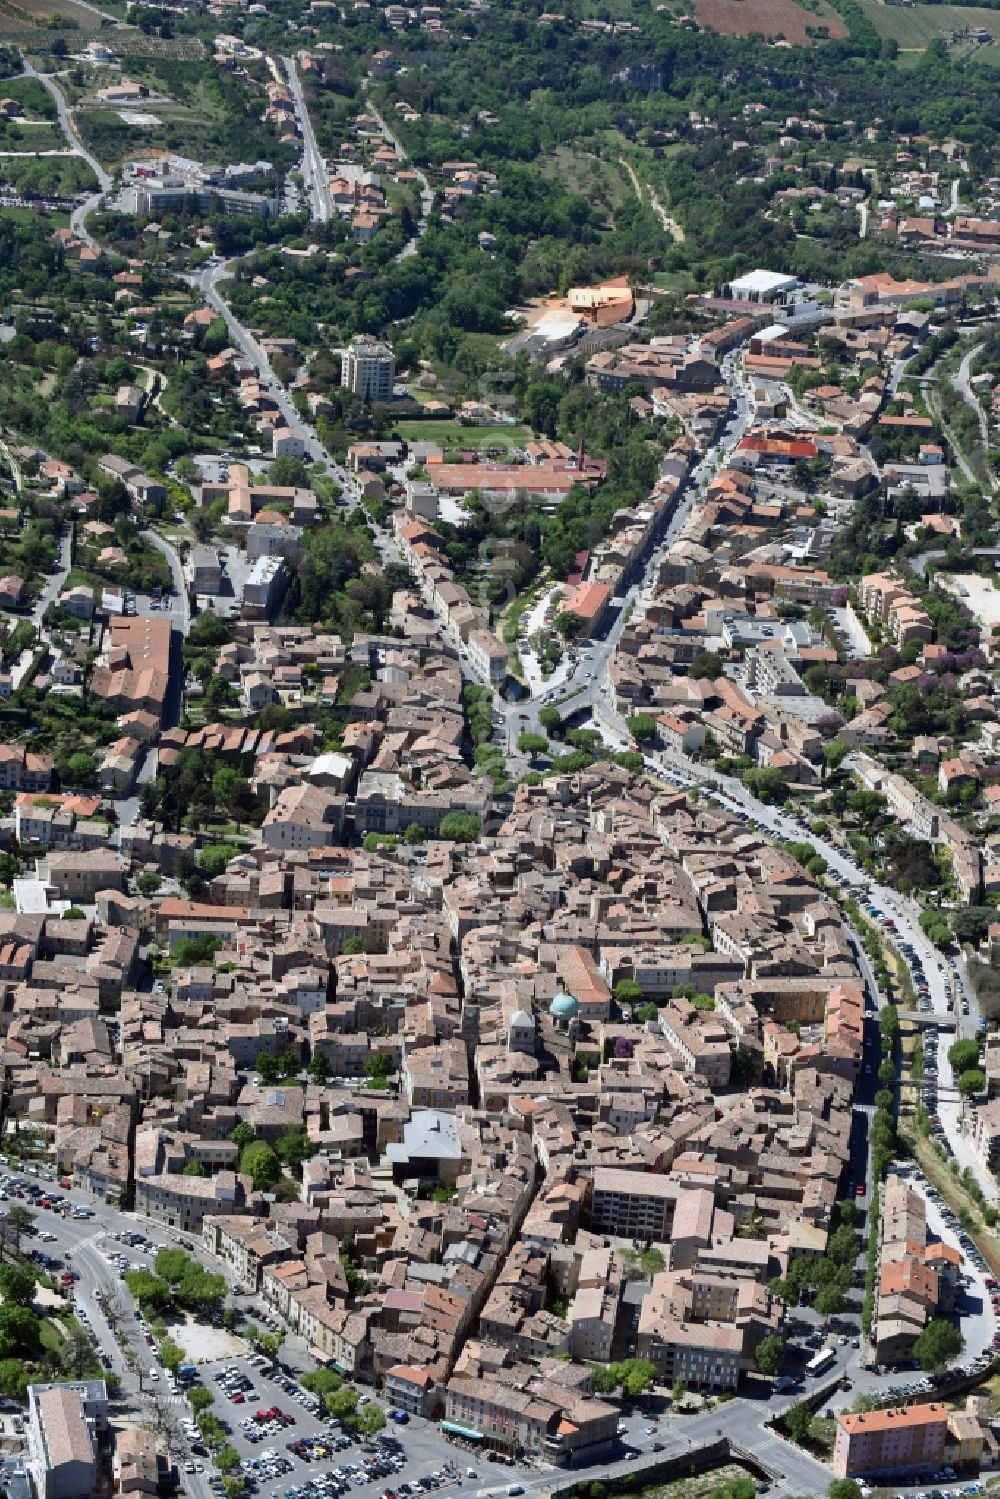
(578, 171)
(914, 28)
(20, 13)
(771, 19)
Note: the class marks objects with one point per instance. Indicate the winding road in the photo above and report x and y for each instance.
(78, 218)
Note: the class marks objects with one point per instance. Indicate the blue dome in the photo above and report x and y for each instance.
(564, 1006)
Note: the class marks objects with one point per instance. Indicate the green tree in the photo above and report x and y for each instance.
(642, 727)
(532, 744)
(19, 1327)
(81, 769)
(798, 1422)
(171, 1354)
(829, 1301)
(214, 859)
(259, 1162)
(17, 1285)
(414, 834)
(199, 1398)
(319, 1067)
(147, 883)
(963, 1054)
(770, 1355)
(550, 720)
(353, 946)
(937, 1345)
(243, 1134)
(371, 1420)
(627, 992)
(193, 1168)
(227, 1458)
(460, 827)
(76, 1353)
(14, 1378)
(843, 1488)
(972, 1081)
(294, 1147)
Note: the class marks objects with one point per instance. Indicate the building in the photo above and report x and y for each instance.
(633, 1204)
(909, 1439)
(66, 1429)
(185, 1201)
(488, 657)
(367, 370)
(762, 286)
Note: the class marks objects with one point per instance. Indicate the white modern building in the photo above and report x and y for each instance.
(367, 370)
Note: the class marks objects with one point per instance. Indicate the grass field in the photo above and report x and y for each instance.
(913, 29)
(451, 434)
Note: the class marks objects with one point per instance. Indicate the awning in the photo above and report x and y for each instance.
(461, 1431)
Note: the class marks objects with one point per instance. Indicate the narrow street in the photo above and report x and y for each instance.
(426, 195)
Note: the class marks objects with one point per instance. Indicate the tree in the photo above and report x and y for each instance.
(835, 752)
(972, 1081)
(172, 1265)
(200, 1398)
(268, 1066)
(227, 1458)
(937, 1345)
(171, 1354)
(843, 1246)
(770, 1355)
(73, 913)
(242, 1135)
(798, 1422)
(642, 727)
(971, 922)
(627, 992)
(14, 1378)
(843, 1488)
(342, 1402)
(963, 1054)
(371, 1420)
(319, 1067)
(460, 827)
(16, 1223)
(76, 1354)
(147, 883)
(353, 946)
(81, 769)
(531, 744)
(414, 834)
(550, 720)
(829, 1301)
(214, 859)
(259, 1162)
(17, 1285)
(193, 1168)
(295, 1147)
(935, 927)
(152, 1293)
(290, 472)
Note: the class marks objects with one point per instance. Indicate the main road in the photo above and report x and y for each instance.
(313, 164)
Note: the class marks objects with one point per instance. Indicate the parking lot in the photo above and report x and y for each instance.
(290, 1447)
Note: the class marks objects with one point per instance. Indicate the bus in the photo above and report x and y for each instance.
(821, 1361)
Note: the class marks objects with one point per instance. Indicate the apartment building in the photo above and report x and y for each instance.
(185, 1201)
(367, 368)
(910, 1439)
(633, 1204)
(67, 1430)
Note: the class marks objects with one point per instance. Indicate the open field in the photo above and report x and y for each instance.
(451, 434)
(770, 18)
(915, 28)
(580, 172)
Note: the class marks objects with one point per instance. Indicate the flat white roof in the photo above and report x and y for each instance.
(760, 282)
(775, 330)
